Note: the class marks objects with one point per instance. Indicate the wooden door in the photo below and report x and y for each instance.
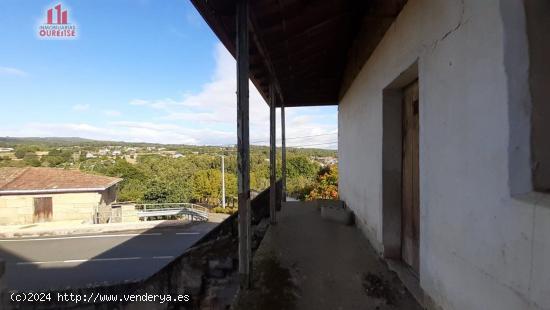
(410, 213)
(42, 209)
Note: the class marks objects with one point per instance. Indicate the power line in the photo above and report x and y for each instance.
(299, 146)
(314, 144)
(326, 134)
(302, 145)
(294, 138)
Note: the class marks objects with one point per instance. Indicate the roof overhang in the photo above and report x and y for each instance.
(57, 190)
(309, 50)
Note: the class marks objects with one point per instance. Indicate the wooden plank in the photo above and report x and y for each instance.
(285, 34)
(370, 32)
(243, 144)
(410, 241)
(215, 22)
(260, 46)
(272, 156)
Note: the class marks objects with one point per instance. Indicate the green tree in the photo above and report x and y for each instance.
(207, 184)
(21, 151)
(326, 184)
(156, 191)
(122, 169)
(131, 190)
(57, 157)
(230, 185)
(32, 160)
(156, 178)
(301, 166)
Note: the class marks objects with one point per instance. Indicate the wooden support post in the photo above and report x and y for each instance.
(223, 181)
(243, 144)
(283, 152)
(272, 157)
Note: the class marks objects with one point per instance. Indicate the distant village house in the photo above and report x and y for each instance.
(30, 195)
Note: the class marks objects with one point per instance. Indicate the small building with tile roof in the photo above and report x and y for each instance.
(30, 194)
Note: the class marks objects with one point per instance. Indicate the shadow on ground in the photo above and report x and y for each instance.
(206, 271)
(305, 262)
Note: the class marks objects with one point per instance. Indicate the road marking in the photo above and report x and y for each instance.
(79, 260)
(163, 257)
(81, 237)
(113, 259)
(188, 233)
(75, 261)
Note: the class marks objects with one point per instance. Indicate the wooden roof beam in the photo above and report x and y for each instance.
(260, 47)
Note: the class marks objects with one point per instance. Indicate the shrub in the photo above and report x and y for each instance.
(326, 184)
(226, 210)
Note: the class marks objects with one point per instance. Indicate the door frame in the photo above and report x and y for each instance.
(392, 141)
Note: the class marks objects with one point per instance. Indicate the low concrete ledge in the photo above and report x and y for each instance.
(336, 211)
(330, 203)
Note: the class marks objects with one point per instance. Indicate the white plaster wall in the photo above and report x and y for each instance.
(19, 209)
(480, 247)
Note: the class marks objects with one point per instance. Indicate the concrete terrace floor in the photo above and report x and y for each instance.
(305, 262)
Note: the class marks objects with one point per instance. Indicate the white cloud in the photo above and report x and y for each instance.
(81, 107)
(111, 113)
(215, 104)
(124, 131)
(206, 117)
(12, 72)
(138, 102)
(145, 125)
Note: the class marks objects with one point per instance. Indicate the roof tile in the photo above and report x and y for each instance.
(31, 178)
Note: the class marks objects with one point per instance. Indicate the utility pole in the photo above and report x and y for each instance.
(223, 182)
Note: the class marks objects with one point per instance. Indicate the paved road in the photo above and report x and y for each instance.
(58, 262)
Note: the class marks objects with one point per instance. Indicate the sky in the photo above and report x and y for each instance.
(138, 71)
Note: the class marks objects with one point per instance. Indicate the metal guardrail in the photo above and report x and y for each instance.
(172, 209)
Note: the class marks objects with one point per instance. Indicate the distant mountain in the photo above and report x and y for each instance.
(65, 141)
(44, 140)
(49, 142)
